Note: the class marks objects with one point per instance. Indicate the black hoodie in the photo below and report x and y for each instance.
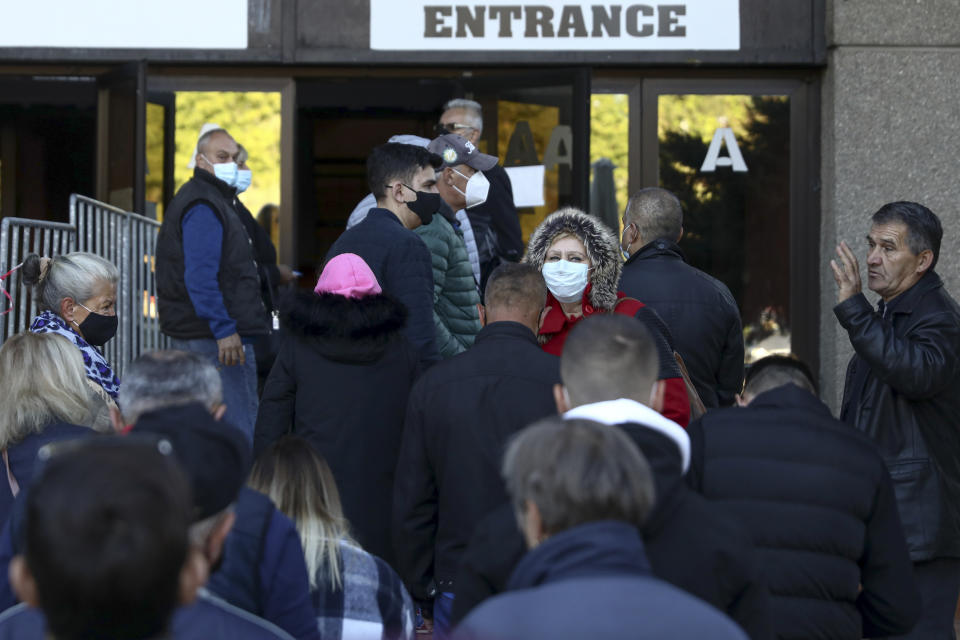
(341, 381)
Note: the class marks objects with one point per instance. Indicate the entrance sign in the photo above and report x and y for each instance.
(723, 136)
(125, 24)
(554, 25)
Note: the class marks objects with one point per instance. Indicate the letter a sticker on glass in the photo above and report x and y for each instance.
(723, 136)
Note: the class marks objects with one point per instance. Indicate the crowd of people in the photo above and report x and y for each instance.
(463, 436)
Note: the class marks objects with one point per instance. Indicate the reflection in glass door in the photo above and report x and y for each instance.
(727, 157)
(742, 155)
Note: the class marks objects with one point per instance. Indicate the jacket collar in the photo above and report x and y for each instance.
(659, 247)
(606, 547)
(906, 301)
(228, 192)
(378, 212)
(556, 319)
(507, 329)
(613, 412)
(789, 396)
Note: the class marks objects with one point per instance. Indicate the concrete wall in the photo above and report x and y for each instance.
(891, 131)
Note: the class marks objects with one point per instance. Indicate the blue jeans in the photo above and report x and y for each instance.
(239, 382)
(442, 612)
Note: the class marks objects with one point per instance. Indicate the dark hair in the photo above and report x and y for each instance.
(924, 230)
(578, 471)
(106, 537)
(657, 214)
(392, 161)
(265, 216)
(775, 371)
(515, 285)
(607, 357)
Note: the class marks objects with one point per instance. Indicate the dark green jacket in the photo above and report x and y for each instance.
(455, 296)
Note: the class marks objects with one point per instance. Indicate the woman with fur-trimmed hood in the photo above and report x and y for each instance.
(341, 381)
(581, 263)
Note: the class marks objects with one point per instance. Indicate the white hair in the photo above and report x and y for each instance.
(171, 378)
(75, 275)
(472, 108)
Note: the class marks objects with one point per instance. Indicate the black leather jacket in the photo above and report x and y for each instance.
(903, 391)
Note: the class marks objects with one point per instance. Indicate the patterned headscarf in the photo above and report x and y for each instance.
(93, 361)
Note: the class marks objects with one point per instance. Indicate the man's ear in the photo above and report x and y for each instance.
(543, 317)
(24, 586)
(193, 575)
(448, 176)
(742, 399)
(561, 399)
(925, 261)
(218, 411)
(482, 312)
(532, 525)
(657, 394)
(680, 236)
(116, 418)
(214, 543)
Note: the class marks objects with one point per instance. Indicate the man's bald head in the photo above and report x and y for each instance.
(515, 292)
(657, 213)
(214, 147)
(608, 357)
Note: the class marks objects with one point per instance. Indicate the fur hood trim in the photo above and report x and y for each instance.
(600, 242)
(344, 328)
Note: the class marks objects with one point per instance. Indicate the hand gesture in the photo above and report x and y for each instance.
(846, 273)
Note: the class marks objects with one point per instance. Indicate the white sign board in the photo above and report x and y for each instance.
(554, 25)
(125, 24)
(527, 183)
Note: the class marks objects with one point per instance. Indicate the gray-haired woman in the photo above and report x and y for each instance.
(77, 296)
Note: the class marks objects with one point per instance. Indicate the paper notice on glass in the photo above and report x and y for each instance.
(527, 185)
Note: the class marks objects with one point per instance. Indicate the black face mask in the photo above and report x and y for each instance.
(97, 329)
(425, 205)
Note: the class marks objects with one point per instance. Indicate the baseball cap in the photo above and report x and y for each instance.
(456, 150)
(215, 456)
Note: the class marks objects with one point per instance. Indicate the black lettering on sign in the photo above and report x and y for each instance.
(473, 20)
(634, 28)
(602, 20)
(670, 26)
(541, 16)
(571, 19)
(506, 14)
(521, 150)
(433, 26)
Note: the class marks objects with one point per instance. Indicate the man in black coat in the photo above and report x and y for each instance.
(902, 390)
(699, 309)
(818, 502)
(401, 177)
(459, 417)
(690, 543)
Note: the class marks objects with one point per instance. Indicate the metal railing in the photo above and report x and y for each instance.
(126, 239)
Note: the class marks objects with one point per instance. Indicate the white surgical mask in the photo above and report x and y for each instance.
(244, 178)
(226, 171)
(477, 188)
(566, 280)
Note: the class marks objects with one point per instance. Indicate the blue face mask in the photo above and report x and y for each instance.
(225, 171)
(244, 178)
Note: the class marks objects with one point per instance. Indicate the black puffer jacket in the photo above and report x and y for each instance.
(819, 504)
(702, 315)
(341, 381)
(903, 391)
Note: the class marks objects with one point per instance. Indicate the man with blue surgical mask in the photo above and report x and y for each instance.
(208, 284)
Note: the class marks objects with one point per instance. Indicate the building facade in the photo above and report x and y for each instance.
(782, 124)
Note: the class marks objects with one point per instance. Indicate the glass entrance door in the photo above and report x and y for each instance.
(736, 153)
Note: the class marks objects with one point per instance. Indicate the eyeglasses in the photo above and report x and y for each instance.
(452, 127)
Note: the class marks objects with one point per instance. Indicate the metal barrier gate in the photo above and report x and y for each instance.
(126, 239)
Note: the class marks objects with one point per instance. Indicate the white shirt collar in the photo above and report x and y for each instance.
(624, 410)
